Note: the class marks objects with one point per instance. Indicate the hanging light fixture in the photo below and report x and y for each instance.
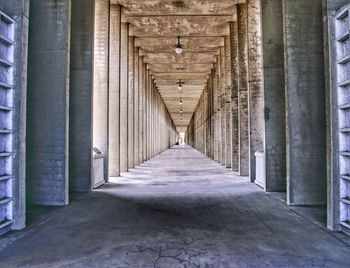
(180, 85)
(180, 101)
(181, 111)
(178, 48)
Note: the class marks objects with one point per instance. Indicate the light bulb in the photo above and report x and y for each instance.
(178, 49)
(179, 86)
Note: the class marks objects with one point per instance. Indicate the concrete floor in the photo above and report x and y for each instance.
(180, 209)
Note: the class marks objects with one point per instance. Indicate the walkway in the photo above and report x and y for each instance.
(180, 209)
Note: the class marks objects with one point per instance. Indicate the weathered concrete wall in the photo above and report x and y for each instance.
(114, 90)
(48, 84)
(80, 95)
(124, 97)
(243, 90)
(305, 95)
(274, 92)
(256, 89)
(19, 11)
(100, 79)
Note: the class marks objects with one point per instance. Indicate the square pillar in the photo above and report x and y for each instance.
(305, 97)
(114, 90)
(80, 95)
(131, 103)
(243, 118)
(124, 85)
(140, 110)
(234, 95)
(256, 88)
(222, 83)
(228, 103)
(48, 96)
(136, 108)
(274, 96)
(100, 80)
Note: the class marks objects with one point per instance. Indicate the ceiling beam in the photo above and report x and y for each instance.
(228, 15)
(182, 36)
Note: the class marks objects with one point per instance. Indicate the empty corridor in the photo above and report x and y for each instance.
(179, 209)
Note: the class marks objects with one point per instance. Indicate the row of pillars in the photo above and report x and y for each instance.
(266, 93)
(88, 87)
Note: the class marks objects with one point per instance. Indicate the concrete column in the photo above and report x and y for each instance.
(131, 103)
(160, 123)
(305, 96)
(207, 121)
(204, 120)
(218, 111)
(150, 130)
(156, 121)
(243, 90)
(222, 81)
(274, 92)
(153, 117)
(114, 90)
(234, 95)
(203, 123)
(158, 136)
(148, 122)
(141, 109)
(48, 95)
(228, 102)
(256, 88)
(212, 116)
(154, 128)
(124, 97)
(136, 108)
(144, 114)
(150, 109)
(153, 125)
(100, 79)
(80, 97)
(217, 122)
(19, 11)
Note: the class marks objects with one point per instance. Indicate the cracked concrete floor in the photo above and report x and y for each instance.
(180, 209)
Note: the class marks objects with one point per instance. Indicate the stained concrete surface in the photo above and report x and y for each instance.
(179, 209)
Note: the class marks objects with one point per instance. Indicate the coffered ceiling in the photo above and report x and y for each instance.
(201, 25)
